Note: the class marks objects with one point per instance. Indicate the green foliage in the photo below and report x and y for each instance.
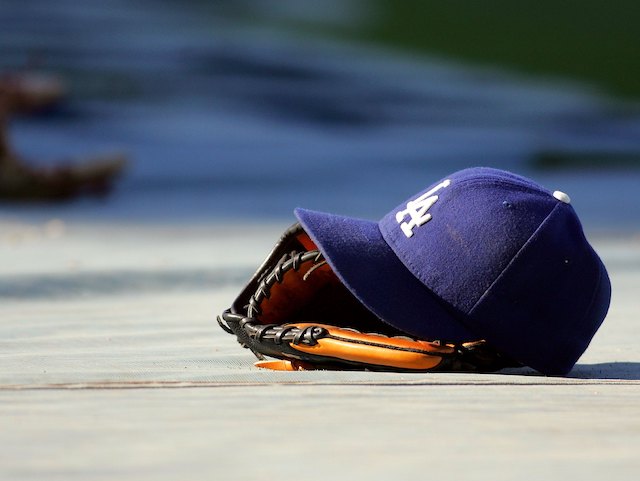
(594, 40)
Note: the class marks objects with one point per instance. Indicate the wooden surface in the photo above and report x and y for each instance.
(112, 366)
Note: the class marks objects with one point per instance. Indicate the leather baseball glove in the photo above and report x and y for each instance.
(296, 310)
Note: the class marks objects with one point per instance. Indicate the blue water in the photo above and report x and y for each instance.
(225, 121)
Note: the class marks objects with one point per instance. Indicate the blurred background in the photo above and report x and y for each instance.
(239, 110)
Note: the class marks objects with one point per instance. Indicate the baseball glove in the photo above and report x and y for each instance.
(296, 310)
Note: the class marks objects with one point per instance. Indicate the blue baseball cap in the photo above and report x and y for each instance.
(481, 254)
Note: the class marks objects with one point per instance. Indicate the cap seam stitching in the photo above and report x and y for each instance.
(503, 181)
(512, 261)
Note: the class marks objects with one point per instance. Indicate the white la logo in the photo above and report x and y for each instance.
(418, 209)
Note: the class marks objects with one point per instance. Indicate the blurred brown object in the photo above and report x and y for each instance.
(93, 176)
(27, 93)
(19, 181)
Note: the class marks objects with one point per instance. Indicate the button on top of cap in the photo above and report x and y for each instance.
(562, 197)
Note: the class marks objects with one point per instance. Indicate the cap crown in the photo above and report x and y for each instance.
(509, 259)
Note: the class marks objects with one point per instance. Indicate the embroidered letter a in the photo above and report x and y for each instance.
(418, 210)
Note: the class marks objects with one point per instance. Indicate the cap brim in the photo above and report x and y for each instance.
(364, 262)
